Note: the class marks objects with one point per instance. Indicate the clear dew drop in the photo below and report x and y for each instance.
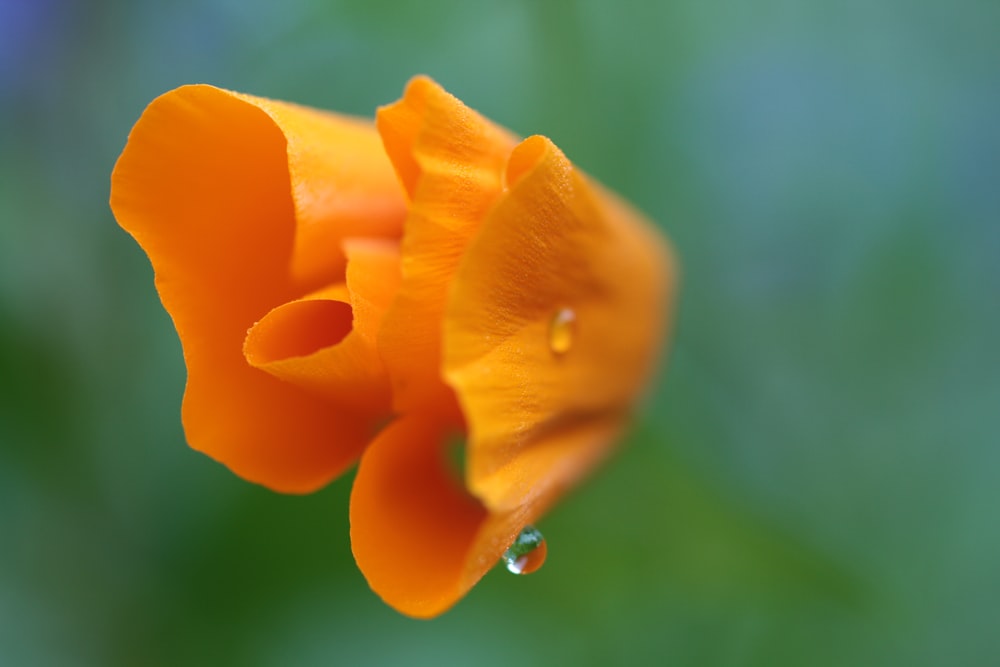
(562, 330)
(528, 552)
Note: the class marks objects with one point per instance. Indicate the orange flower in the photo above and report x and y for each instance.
(346, 290)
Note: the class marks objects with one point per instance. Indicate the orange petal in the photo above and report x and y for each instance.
(206, 187)
(342, 186)
(326, 342)
(451, 161)
(420, 540)
(544, 404)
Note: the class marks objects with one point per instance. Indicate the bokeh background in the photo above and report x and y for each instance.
(814, 480)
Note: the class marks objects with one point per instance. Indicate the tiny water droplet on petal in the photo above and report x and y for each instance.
(562, 329)
(528, 552)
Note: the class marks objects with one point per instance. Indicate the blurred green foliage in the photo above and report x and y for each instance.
(813, 481)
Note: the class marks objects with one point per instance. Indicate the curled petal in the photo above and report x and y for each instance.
(543, 397)
(450, 161)
(421, 541)
(213, 186)
(326, 342)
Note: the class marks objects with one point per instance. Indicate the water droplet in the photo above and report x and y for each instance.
(562, 329)
(528, 552)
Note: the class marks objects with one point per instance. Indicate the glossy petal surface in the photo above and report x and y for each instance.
(451, 162)
(209, 185)
(421, 540)
(538, 416)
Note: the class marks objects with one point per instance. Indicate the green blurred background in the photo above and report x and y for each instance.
(815, 479)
